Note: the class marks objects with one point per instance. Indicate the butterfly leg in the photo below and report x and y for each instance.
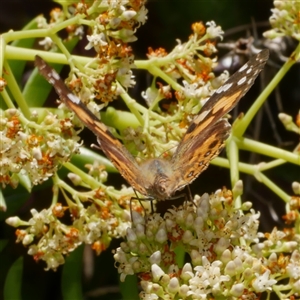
(190, 197)
(140, 201)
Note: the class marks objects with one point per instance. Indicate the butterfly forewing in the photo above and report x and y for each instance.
(112, 147)
(206, 135)
(227, 96)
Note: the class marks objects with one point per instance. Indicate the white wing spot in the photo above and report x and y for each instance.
(244, 67)
(227, 86)
(219, 90)
(223, 88)
(242, 80)
(259, 59)
(51, 80)
(249, 70)
(55, 75)
(202, 115)
(73, 98)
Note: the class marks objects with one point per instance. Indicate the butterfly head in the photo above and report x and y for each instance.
(161, 178)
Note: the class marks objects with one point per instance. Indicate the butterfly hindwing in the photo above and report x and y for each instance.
(196, 155)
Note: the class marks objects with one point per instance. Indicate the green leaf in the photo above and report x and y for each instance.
(15, 199)
(87, 156)
(71, 276)
(129, 288)
(3, 243)
(13, 281)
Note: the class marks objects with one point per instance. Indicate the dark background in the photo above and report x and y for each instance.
(167, 20)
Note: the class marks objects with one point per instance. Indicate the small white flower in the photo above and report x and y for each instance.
(15, 222)
(296, 187)
(95, 41)
(161, 235)
(157, 272)
(293, 268)
(151, 95)
(262, 282)
(187, 272)
(125, 77)
(141, 15)
(155, 258)
(189, 90)
(213, 31)
(47, 43)
(237, 290)
(28, 239)
(128, 15)
(173, 286)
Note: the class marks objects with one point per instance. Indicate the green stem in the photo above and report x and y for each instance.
(2, 53)
(270, 151)
(12, 52)
(272, 164)
(55, 191)
(15, 90)
(93, 183)
(233, 156)
(272, 186)
(7, 99)
(131, 104)
(254, 170)
(151, 67)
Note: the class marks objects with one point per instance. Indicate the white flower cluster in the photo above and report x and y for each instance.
(285, 20)
(50, 240)
(34, 150)
(227, 258)
(113, 26)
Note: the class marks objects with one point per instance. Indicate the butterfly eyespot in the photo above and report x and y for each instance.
(207, 153)
(191, 174)
(200, 163)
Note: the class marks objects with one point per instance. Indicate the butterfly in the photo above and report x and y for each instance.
(159, 178)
